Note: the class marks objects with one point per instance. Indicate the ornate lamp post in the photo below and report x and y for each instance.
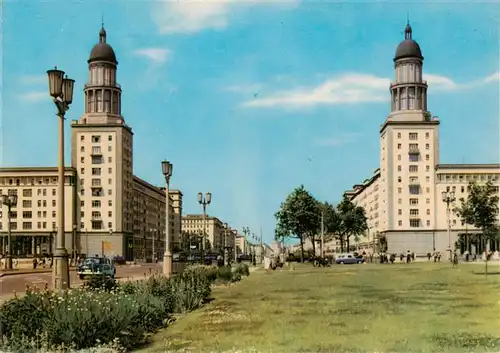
(167, 169)
(61, 90)
(10, 201)
(204, 201)
(448, 199)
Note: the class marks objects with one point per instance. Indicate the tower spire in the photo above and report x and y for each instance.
(102, 32)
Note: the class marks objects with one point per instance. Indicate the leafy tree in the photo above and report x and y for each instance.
(344, 221)
(298, 217)
(480, 210)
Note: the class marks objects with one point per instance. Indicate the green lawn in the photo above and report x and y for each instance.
(421, 307)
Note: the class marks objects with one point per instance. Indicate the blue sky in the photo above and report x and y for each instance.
(244, 97)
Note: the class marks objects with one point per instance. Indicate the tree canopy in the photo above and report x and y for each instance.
(480, 209)
(298, 217)
(344, 221)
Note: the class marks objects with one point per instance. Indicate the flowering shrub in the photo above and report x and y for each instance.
(101, 312)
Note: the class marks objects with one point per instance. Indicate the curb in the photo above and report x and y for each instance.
(27, 272)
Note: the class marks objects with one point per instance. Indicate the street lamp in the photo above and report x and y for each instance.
(204, 201)
(10, 201)
(61, 90)
(167, 169)
(448, 198)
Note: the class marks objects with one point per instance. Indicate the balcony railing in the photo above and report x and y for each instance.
(414, 182)
(96, 217)
(414, 216)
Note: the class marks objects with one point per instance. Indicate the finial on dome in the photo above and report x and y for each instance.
(408, 31)
(102, 32)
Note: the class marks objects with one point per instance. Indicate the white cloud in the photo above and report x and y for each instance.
(441, 82)
(35, 96)
(492, 78)
(338, 140)
(349, 88)
(157, 56)
(191, 16)
(252, 88)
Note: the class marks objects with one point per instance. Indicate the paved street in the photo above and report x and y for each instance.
(18, 283)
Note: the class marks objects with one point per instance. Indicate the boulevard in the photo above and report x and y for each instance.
(18, 282)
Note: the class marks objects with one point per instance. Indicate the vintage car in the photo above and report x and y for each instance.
(96, 266)
(347, 259)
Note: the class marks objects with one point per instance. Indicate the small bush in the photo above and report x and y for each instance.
(242, 270)
(225, 274)
(100, 282)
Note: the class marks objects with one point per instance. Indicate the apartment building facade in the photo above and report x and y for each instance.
(218, 234)
(403, 200)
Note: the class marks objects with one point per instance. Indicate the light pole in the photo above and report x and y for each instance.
(61, 90)
(448, 199)
(10, 201)
(153, 235)
(225, 243)
(167, 169)
(74, 243)
(204, 201)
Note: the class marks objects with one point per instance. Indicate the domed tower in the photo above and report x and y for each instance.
(102, 93)
(409, 91)
(102, 154)
(408, 155)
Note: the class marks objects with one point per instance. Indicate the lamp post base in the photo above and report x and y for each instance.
(8, 262)
(60, 272)
(167, 264)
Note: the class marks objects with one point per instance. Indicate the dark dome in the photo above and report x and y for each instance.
(102, 51)
(408, 48)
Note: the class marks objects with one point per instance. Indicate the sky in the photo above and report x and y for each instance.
(251, 99)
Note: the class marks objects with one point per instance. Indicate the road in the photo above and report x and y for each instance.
(18, 283)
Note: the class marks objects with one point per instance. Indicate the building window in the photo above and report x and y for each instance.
(53, 203)
(110, 170)
(96, 171)
(96, 150)
(413, 202)
(427, 146)
(82, 149)
(110, 137)
(53, 192)
(82, 214)
(399, 179)
(96, 139)
(109, 148)
(426, 157)
(96, 225)
(414, 212)
(399, 146)
(109, 192)
(400, 223)
(426, 135)
(414, 190)
(96, 160)
(27, 193)
(82, 225)
(413, 169)
(399, 201)
(399, 135)
(428, 212)
(399, 157)
(27, 203)
(109, 181)
(462, 189)
(400, 212)
(96, 203)
(413, 157)
(427, 189)
(107, 101)
(27, 214)
(110, 214)
(110, 203)
(427, 168)
(82, 170)
(82, 138)
(414, 223)
(82, 203)
(400, 190)
(26, 225)
(96, 182)
(44, 192)
(53, 214)
(82, 159)
(82, 192)
(110, 159)
(399, 168)
(413, 136)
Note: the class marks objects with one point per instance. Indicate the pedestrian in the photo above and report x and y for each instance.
(435, 255)
(35, 263)
(408, 257)
(439, 256)
(428, 256)
(455, 260)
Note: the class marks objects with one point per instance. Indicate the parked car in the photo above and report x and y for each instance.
(96, 266)
(347, 259)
